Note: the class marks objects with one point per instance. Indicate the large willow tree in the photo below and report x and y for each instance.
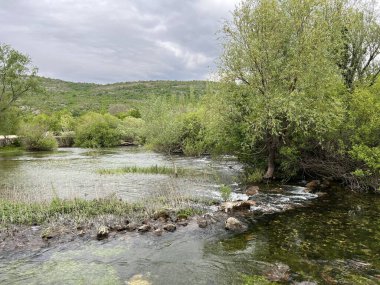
(281, 55)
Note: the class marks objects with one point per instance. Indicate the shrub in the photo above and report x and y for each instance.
(96, 130)
(225, 192)
(35, 137)
(132, 130)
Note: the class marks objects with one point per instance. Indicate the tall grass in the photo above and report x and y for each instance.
(155, 169)
(21, 209)
(39, 212)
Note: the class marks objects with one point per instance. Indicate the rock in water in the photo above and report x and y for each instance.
(253, 190)
(157, 232)
(170, 227)
(102, 233)
(233, 224)
(131, 227)
(313, 185)
(202, 222)
(237, 205)
(143, 228)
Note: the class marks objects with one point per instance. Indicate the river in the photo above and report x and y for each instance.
(334, 239)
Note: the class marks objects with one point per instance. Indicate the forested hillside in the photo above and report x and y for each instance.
(57, 95)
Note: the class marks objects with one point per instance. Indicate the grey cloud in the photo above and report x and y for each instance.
(114, 40)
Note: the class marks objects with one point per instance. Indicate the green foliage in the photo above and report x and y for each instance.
(9, 121)
(96, 130)
(174, 126)
(370, 156)
(35, 136)
(135, 113)
(18, 77)
(255, 176)
(80, 98)
(288, 82)
(289, 161)
(225, 192)
(132, 130)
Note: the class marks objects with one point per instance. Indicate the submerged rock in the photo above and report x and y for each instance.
(252, 190)
(170, 227)
(278, 272)
(233, 224)
(102, 233)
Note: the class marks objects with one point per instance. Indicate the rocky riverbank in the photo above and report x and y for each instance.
(233, 216)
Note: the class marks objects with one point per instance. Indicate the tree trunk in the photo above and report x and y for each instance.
(272, 148)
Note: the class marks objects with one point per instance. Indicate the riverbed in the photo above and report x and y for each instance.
(333, 239)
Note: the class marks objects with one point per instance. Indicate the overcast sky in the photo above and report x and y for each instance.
(108, 41)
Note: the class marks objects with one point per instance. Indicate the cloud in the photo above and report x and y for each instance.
(116, 40)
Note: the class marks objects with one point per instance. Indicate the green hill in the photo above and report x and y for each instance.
(81, 97)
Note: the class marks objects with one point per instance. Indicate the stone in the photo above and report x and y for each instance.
(305, 283)
(49, 233)
(158, 232)
(120, 228)
(313, 185)
(233, 224)
(183, 223)
(102, 233)
(237, 205)
(202, 222)
(170, 227)
(252, 190)
(143, 228)
(131, 227)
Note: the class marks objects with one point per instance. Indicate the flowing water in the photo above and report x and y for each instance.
(334, 239)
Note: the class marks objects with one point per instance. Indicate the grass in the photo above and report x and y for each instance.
(155, 169)
(11, 150)
(39, 212)
(20, 210)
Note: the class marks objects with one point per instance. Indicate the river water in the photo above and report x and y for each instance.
(334, 239)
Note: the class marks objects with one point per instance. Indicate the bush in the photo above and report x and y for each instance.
(225, 192)
(132, 130)
(173, 126)
(35, 137)
(96, 130)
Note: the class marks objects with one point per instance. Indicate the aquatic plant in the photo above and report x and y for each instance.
(155, 169)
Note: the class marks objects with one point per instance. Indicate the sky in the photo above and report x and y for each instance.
(106, 41)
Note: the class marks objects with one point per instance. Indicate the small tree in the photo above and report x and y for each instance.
(17, 76)
(279, 59)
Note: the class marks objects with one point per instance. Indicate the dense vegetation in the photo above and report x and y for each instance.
(298, 97)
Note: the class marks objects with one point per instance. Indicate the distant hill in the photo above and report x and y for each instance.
(81, 97)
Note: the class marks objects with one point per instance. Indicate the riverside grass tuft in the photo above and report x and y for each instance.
(15, 212)
(155, 169)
